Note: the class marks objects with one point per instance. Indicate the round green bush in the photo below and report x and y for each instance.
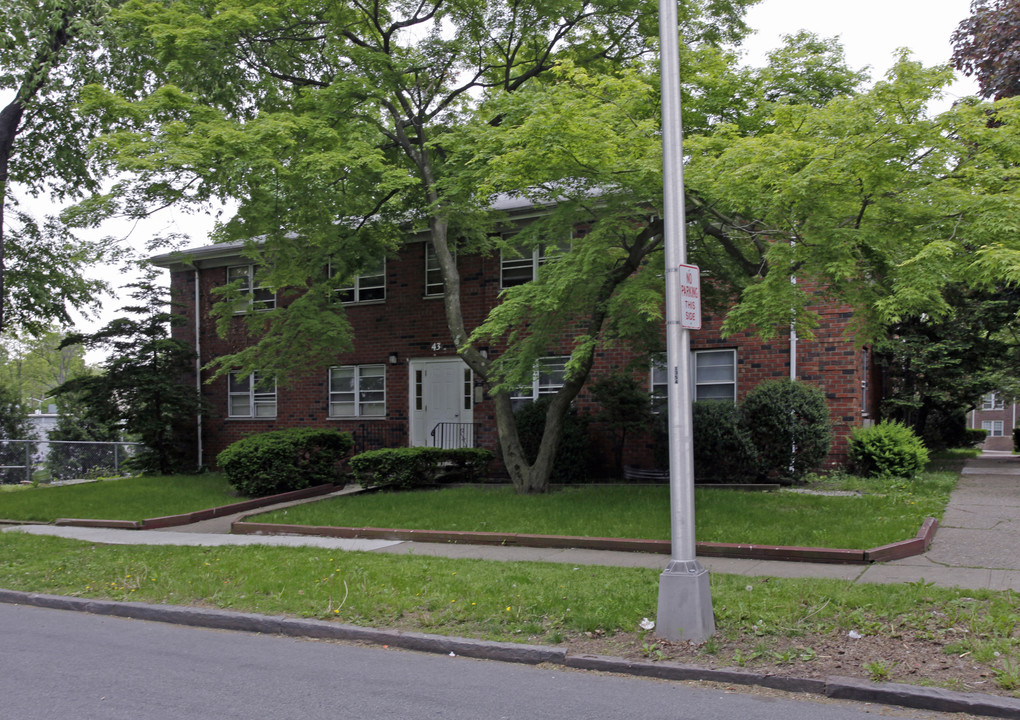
(789, 425)
(723, 452)
(283, 460)
(889, 449)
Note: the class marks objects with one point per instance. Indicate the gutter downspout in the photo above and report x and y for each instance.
(198, 367)
(793, 363)
(793, 338)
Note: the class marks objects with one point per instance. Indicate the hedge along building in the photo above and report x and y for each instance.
(403, 384)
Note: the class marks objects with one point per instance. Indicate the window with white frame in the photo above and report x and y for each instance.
(251, 395)
(367, 286)
(713, 377)
(993, 401)
(519, 264)
(994, 427)
(256, 296)
(660, 386)
(434, 284)
(549, 376)
(357, 391)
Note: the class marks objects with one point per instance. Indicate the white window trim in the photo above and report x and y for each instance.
(256, 398)
(993, 401)
(695, 384)
(992, 426)
(539, 256)
(250, 289)
(660, 400)
(356, 288)
(430, 253)
(536, 390)
(358, 402)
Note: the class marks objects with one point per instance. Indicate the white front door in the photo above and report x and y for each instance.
(441, 402)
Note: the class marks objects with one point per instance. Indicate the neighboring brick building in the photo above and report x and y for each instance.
(997, 415)
(403, 384)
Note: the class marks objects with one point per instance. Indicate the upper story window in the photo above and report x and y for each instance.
(357, 391)
(549, 376)
(993, 401)
(257, 297)
(434, 284)
(368, 286)
(520, 264)
(251, 395)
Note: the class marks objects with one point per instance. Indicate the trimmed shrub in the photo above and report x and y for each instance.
(943, 429)
(417, 466)
(972, 437)
(788, 423)
(575, 454)
(624, 409)
(283, 460)
(723, 452)
(889, 449)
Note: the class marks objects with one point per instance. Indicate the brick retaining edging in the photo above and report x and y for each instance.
(904, 548)
(199, 515)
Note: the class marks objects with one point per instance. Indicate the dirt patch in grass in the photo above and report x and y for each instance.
(871, 657)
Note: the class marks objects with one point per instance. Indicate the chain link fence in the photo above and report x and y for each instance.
(62, 460)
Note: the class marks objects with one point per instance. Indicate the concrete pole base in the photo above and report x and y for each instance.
(685, 603)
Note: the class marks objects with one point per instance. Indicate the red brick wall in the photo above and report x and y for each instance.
(408, 323)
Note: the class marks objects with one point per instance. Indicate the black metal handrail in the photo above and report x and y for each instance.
(452, 435)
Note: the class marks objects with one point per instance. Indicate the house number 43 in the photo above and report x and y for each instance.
(437, 346)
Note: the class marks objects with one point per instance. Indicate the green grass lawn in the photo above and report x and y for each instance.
(887, 512)
(757, 619)
(121, 499)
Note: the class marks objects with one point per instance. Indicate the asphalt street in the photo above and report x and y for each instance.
(59, 664)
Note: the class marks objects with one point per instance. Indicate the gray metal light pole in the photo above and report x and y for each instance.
(685, 601)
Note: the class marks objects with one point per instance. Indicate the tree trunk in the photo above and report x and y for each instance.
(527, 477)
(10, 119)
(35, 78)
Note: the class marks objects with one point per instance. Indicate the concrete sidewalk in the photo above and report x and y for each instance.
(977, 544)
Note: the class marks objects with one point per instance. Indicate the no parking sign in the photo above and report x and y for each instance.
(690, 297)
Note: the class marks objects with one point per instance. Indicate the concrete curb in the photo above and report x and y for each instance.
(909, 696)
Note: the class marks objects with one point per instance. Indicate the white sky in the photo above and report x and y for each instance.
(870, 30)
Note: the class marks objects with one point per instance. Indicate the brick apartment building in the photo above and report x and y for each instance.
(403, 383)
(998, 416)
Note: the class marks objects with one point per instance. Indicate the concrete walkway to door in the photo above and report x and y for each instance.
(978, 541)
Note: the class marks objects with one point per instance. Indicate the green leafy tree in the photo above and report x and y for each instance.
(13, 416)
(36, 365)
(869, 197)
(334, 126)
(13, 426)
(141, 380)
(79, 424)
(319, 118)
(49, 50)
(937, 370)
